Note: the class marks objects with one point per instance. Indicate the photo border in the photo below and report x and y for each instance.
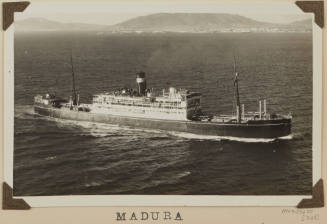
(162, 200)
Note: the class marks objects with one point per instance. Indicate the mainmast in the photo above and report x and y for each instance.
(74, 95)
(237, 96)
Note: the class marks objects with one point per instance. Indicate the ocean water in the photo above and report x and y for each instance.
(59, 157)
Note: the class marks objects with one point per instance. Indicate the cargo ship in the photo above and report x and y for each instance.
(172, 110)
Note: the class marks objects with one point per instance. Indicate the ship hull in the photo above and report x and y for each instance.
(261, 129)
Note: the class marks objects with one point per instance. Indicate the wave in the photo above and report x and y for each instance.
(24, 111)
(93, 184)
(194, 136)
(288, 137)
(51, 158)
(101, 130)
(183, 174)
(229, 138)
(164, 181)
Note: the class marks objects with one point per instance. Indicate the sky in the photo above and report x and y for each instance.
(111, 13)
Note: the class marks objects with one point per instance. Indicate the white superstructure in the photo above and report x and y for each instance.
(171, 105)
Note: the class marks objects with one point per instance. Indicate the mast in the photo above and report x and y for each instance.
(74, 95)
(237, 96)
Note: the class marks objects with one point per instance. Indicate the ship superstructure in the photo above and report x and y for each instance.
(173, 104)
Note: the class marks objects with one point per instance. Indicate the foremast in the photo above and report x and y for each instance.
(237, 95)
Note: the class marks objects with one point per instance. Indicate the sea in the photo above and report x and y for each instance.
(62, 157)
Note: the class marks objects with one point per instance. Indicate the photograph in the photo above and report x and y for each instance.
(162, 99)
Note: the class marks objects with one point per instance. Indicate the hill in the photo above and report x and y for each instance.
(188, 22)
(305, 24)
(170, 22)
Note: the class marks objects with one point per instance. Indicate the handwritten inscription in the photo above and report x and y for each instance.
(305, 215)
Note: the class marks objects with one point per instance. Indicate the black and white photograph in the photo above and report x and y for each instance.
(162, 99)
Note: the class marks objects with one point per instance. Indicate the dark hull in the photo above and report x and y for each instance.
(262, 129)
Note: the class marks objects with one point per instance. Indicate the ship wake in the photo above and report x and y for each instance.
(102, 130)
(228, 138)
(24, 111)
